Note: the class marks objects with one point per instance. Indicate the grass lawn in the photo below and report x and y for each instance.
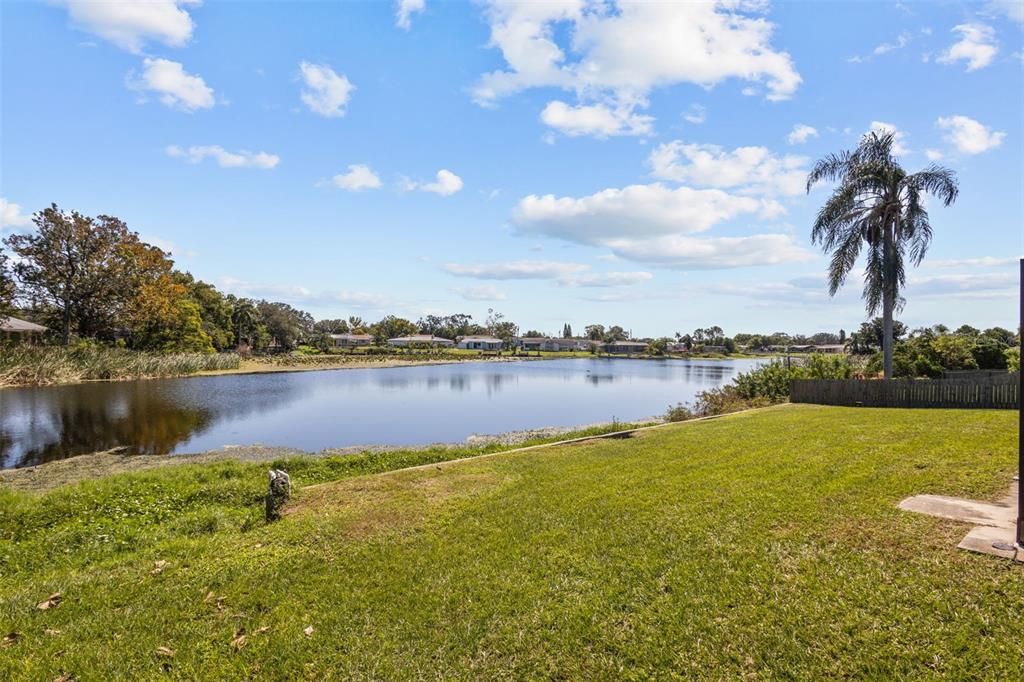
(766, 544)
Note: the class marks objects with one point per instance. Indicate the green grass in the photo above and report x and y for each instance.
(764, 544)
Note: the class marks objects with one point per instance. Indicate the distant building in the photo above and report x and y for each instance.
(714, 349)
(350, 340)
(480, 343)
(420, 341)
(677, 348)
(550, 343)
(624, 347)
(22, 331)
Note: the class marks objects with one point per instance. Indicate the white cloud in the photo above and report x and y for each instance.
(523, 269)
(971, 286)
(288, 292)
(606, 279)
(696, 114)
(969, 136)
(751, 169)
(484, 292)
(130, 24)
(11, 215)
(933, 154)
(295, 293)
(224, 158)
(977, 46)
(404, 9)
(635, 210)
(1013, 9)
(901, 41)
(175, 87)
(602, 61)
(800, 133)
(446, 183)
(693, 253)
(595, 119)
(358, 178)
(898, 137)
(168, 246)
(326, 92)
(983, 261)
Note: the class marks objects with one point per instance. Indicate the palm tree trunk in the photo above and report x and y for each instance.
(888, 301)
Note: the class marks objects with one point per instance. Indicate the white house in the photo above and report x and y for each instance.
(480, 343)
(554, 343)
(350, 340)
(420, 341)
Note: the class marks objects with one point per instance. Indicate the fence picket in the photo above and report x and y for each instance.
(975, 391)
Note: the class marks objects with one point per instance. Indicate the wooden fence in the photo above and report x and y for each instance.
(993, 392)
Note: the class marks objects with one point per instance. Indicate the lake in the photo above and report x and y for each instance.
(323, 409)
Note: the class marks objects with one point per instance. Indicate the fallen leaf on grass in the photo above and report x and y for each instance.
(53, 632)
(239, 641)
(50, 602)
(10, 638)
(66, 677)
(165, 651)
(309, 631)
(263, 629)
(158, 567)
(209, 597)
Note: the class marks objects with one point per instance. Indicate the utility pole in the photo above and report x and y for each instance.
(1020, 417)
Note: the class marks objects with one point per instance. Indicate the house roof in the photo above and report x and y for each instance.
(626, 343)
(350, 336)
(488, 339)
(17, 326)
(421, 337)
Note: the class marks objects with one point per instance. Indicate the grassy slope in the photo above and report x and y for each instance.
(766, 543)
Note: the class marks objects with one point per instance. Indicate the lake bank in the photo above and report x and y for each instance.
(54, 474)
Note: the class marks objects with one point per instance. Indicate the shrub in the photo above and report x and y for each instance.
(678, 413)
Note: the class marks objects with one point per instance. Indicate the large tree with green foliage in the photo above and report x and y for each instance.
(7, 286)
(876, 205)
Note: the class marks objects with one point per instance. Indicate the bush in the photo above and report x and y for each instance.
(23, 365)
(678, 413)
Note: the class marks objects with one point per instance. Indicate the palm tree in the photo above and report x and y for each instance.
(878, 205)
(244, 317)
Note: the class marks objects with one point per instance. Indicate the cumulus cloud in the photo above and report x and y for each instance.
(597, 120)
(11, 216)
(801, 133)
(404, 9)
(898, 136)
(325, 92)
(977, 46)
(1013, 9)
(296, 293)
(175, 87)
(933, 154)
(522, 269)
(224, 158)
(751, 169)
(694, 253)
(982, 261)
(484, 292)
(358, 178)
(969, 136)
(445, 184)
(602, 62)
(970, 286)
(129, 25)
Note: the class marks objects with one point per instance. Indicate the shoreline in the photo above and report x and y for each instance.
(253, 367)
(49, 475)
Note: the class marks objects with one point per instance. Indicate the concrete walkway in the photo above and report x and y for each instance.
(994, 522)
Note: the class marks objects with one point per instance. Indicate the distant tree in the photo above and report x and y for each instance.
(1003, 336)
(730, 345)
(246, 322)
(214, 310)
(594, 332)
(842, 336)
(285, 324)
(615, 333)
(330, 326)
(78, 267)
(879, 205)
(391, 327)
(967, 330)
(356, 325)
(8, 289)
(533, 333)
(567, 331)
(989, 353)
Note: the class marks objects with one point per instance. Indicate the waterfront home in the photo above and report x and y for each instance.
(714, 349)
(350, 340)
(480, 343)
(420, 341)
(678, 348)
(830, 348)
(624, 347)
(549, 343)
(21, 331)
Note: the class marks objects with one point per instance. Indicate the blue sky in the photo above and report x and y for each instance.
(618, 163)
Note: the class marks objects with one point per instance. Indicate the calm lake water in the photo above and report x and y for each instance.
(317, 410)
